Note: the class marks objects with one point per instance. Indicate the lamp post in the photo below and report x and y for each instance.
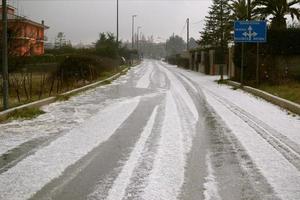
(4, 55)
(137, 37)
(117, 21)
(222, 43)
(132, 43)
(188, 34)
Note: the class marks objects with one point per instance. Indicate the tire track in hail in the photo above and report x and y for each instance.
(287, 148)
(251, 184)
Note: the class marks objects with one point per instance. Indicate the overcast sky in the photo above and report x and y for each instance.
(83, 20)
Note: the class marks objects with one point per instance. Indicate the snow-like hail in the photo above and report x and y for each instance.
(145, 80)
(30, 175)
(167, 175)
(180, 91)
(211, 185)
(281, 174)
(117, 192)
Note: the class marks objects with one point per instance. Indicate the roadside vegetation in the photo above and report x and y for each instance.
(64, 68)
(289, 91)
(279, 58)
(25, 113)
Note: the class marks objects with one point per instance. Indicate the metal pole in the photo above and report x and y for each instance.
(4, 55)
(137, 37)
(249, 9)
(132, 43)
(117, 21)
(242, 65)
(222, 43)
(257, 64)
(188, 34)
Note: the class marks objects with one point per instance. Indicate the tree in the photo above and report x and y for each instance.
(208, 34)
(239, 10)
(107, 45)
(218, 25)
(175, 45)
(277, 9)
(60, 41)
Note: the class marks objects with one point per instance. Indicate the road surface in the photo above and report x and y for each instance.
(159, 132)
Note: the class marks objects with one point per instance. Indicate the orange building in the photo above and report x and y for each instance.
(25, 37)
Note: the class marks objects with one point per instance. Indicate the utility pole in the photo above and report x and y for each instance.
(137, 38)
(132, 43)
(222, 42)
(117, 21)
(257, 44)
(243, 45)
(188, 34)
(4, 55)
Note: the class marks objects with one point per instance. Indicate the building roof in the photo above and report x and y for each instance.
(9, 7)
(17, 18)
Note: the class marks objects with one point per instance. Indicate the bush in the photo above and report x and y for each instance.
(178, 60)
(282, 42)
(107, 46)
(32, 63)
(84, 67)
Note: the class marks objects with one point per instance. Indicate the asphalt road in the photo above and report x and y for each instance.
(150, 135)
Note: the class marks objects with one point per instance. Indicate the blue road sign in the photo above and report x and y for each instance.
(250, 31)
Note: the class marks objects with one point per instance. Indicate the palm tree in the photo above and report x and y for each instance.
(277, 9)
(239, 10)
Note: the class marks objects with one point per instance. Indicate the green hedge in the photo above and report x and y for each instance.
(32, 63)
(178, 60)
(282, 42)
(84, 67)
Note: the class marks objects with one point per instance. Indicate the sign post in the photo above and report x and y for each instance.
(250, 32)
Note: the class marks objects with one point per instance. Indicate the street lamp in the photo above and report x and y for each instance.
(137, 37)
(4, 55)
(133, 16)
(117, 21)
(188, 34)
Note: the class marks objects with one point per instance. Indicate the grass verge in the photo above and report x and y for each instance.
(25, 113)
(14, 100)
(62, 97)
(289, 91)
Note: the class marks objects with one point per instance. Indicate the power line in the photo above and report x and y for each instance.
(199, 22)
(183, 29)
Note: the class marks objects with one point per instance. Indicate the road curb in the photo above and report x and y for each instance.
(291, 106)
(49, 100)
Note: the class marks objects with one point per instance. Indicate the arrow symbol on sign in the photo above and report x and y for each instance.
(250, 33)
